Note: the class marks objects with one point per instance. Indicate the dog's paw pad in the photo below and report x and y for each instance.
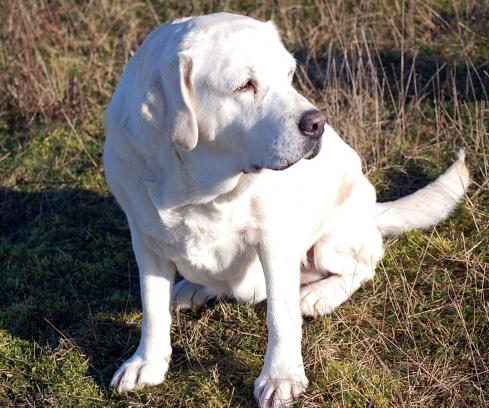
(279, 392)
(137, 373)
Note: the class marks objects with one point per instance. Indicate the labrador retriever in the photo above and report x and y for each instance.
(232, 178)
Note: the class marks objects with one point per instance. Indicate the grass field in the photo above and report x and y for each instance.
(406, 83)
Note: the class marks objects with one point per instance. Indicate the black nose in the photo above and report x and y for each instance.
(312, 124)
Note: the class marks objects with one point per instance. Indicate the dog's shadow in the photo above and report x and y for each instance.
(68, 273)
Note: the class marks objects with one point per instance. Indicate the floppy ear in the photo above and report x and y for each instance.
(167, 101)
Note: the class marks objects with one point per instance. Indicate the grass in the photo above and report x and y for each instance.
(404, 82)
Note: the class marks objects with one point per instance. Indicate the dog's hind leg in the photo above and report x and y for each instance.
(345, 267)
(322, 297)
(188, 295)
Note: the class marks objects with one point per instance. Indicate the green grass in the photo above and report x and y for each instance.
(405, 83)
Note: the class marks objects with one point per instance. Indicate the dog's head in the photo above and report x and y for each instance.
(223, 82)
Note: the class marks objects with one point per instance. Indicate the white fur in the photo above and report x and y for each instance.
(427, 206)
(185, 145)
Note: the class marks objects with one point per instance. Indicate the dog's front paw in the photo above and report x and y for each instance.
(139, 372)
(279, 391)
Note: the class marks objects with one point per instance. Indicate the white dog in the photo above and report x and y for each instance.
(218, 164)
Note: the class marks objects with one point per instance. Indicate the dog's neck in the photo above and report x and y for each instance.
(196, 177)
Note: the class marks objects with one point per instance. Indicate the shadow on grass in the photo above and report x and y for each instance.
(409, 76)
(68, 271)
(401, 181)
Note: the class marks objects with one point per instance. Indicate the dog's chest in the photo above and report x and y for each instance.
(208, 241)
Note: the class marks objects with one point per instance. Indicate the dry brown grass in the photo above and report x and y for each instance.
(405, 82)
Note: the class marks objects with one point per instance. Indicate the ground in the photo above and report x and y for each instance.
(405, 83)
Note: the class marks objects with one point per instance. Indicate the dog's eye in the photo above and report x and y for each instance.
(250, 85)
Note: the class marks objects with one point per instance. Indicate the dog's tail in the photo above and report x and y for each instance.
(427, 206)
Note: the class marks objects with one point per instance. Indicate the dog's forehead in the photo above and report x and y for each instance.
(237, 43)
(255, 45)
(223, 22)
(228, 33)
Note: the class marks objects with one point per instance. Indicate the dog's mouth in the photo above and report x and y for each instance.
(253, 169)
(284, 167)
(314, 151)
(311, 154)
